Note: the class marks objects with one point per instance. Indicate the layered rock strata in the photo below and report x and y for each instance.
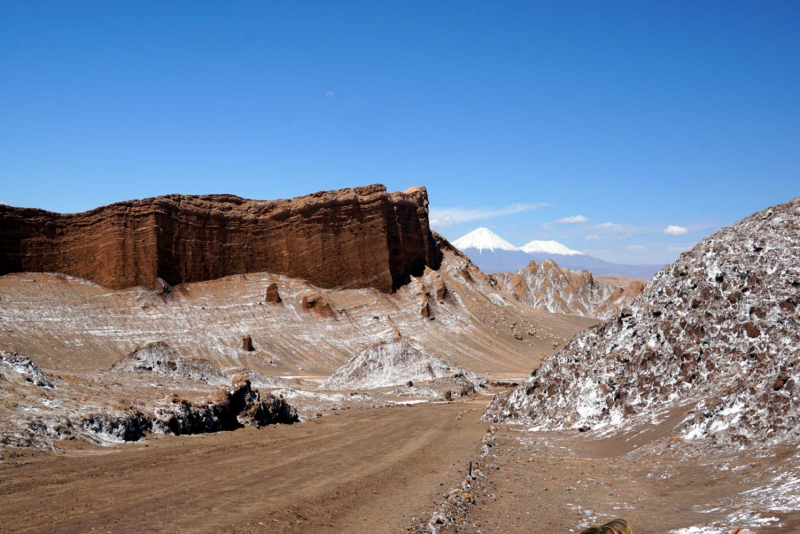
(350, 238)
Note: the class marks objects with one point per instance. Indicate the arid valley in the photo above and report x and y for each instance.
(329, 364)
(400, 267)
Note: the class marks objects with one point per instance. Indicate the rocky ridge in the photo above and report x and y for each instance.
(350, 238)
(546, 286)
(714, 336)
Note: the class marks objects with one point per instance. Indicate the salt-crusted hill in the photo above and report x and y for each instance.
(715, 335)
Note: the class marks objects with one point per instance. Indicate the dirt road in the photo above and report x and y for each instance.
(360, 471)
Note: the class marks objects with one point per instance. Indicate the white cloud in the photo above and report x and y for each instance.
(445, 217)
(636, 248)
(329, 94)
(600, 238)
(676, 230)
(614, 227)
(572, 220)
(546, 225)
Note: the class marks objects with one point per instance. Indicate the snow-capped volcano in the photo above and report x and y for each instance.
(549, 247)
(483, 239)
(494, 254)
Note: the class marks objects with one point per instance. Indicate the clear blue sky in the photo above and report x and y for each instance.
(639, 114)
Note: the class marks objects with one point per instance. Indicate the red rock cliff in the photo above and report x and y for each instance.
(361, 237)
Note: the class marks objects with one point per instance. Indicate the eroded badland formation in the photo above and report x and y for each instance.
(329, 364)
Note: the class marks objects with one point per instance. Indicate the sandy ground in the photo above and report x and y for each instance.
(565, 481)
(367, 470)
(385, 470)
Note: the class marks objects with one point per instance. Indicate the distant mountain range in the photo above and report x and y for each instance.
(494, 254)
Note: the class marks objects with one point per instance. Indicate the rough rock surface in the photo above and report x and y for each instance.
(546, 286)
(229, 410)
(161, 359)
(272, 296)
(393, 363)
(715, 333)
(316, 303)
(354, 238)
(22, 365)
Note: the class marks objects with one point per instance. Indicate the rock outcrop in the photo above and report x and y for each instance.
(25, 368)
(716, 333)
(241, 405)
(546, 286)
(161, 359)
(272, 296)
(394, 363)
(316, 303)
(350, 238)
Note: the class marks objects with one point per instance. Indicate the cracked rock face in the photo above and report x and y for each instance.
(717, 332)
(352, 238)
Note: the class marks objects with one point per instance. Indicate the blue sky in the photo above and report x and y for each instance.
(636, 116)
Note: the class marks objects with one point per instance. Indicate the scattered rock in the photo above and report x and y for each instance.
(241, 405)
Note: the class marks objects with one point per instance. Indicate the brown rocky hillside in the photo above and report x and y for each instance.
(546, 286)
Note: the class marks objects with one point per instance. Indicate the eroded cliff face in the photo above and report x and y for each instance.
(350, 238)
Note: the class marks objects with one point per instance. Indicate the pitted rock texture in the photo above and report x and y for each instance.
(546, 286)
(717, 332)
(350, 238)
